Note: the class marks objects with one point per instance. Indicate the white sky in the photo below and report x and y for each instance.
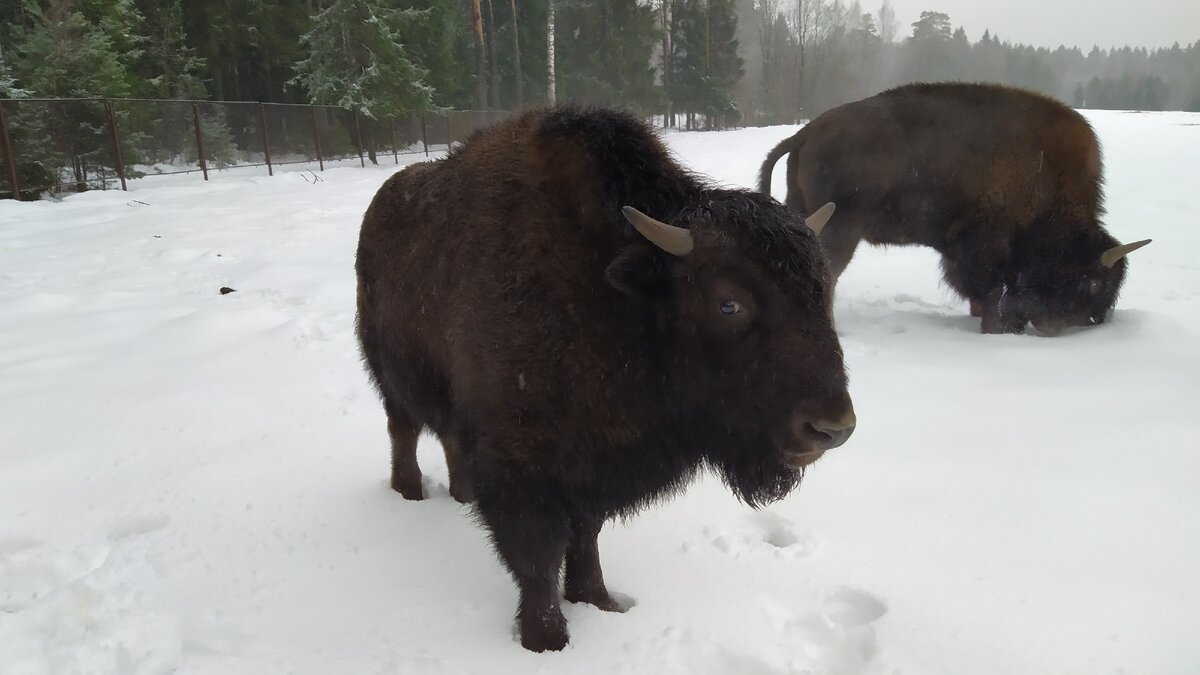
(1049, 23)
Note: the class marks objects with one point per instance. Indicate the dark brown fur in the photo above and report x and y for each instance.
(573, 371)
(1005, 184)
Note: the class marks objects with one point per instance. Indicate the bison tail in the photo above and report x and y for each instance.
(768, 167)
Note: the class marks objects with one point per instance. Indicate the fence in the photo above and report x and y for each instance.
(70, 145)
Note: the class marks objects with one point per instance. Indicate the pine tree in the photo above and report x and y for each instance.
(124, 25)
(928, 47)
(723, 65)
(64, 55)
(170, 65)
(358, 60)
(704, 60)
(8, 84)
(441, 45)
(608, 60)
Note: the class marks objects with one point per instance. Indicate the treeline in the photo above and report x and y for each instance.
(819, 54)
(699, 61)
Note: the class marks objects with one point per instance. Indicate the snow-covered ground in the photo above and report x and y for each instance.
(196, 482)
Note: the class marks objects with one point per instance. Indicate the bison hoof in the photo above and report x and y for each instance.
(463, 492)
(408, 488)
(544, 633)
(600, 600)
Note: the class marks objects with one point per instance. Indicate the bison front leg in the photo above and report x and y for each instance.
(996, 317)
(992, 319)
(406, 473)
(532, 541)
(584, 578)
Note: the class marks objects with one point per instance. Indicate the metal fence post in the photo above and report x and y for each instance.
(317, 137)
(262, 124)
(199, 139)
(10, 157)
(395, 152)
(358, 140)
(424, 135)
(116, 141)
(449, 114)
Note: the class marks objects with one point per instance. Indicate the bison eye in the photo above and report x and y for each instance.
(730, 307)
(1094, 286)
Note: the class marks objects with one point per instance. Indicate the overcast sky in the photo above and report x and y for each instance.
(1049, 23)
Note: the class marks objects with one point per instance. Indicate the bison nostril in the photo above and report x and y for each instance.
(829, 435)
(818, 435)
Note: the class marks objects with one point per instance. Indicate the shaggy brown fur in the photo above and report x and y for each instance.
(1005, 184)
(574, 371)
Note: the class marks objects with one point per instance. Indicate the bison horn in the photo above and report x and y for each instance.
(817, 219)
(674, 240)
(1112, 255)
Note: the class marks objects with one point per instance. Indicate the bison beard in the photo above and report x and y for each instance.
(580, 359)
(753, 480)
(1005, 184)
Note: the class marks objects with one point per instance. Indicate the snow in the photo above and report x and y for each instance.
(194, 482)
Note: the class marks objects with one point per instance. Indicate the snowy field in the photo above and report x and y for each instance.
(196, 483)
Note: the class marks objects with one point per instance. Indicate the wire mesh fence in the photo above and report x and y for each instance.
(71, 145)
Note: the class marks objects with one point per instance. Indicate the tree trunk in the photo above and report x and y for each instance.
(665, 7)
(493, 73)
(707, 37)
(551, 95)
(517, 56)
(480, 56)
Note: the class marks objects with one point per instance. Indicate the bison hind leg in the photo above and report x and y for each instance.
(462, 488)
(406, 473)
(584, 580)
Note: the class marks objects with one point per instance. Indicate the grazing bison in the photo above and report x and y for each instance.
(1005, 184)
(577, 368)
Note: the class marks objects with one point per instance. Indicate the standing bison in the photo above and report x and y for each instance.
(576, 368)
(1005, 184)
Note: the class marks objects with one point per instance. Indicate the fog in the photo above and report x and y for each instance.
(1073, 23)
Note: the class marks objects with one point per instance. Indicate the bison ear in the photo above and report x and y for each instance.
(637, 270)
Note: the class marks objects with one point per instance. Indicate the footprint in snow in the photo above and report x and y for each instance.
(763, 532)
(134, 525)
(850, 607)
(833, 635)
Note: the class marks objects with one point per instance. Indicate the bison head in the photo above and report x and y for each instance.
(1078, 287)
(740, 299)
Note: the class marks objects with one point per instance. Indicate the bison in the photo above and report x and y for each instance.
(526, 300)
(1005, 184)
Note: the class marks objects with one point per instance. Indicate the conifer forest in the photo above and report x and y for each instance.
(695, 64)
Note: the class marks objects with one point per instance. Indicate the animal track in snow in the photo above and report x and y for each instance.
(763, 533)
(849, 607)
(132, 526)
(680, 650)
(836, 636)
(90, 609)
